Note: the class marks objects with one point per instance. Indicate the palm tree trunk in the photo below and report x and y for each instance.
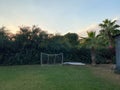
(93, 56)
(111, 45)
(110, 40)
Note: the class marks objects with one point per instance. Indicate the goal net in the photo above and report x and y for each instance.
(51, 58)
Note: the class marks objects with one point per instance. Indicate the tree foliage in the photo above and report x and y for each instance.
(25, 47)
(108, 30)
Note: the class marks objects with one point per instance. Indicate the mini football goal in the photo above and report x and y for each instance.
(51, 58)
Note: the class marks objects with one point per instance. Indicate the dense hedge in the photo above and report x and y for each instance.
(105, 55)
(33, 57)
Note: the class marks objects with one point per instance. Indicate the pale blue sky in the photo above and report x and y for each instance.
(57, 15)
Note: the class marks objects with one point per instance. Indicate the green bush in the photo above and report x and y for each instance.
(105, 56)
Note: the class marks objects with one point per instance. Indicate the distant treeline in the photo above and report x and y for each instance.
(25, 47)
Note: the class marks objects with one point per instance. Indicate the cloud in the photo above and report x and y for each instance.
(92, 27)
(13, 29)
(117, 20)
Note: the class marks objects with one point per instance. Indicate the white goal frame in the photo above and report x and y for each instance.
(41, 61)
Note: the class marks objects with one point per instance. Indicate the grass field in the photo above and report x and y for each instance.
(35, 77)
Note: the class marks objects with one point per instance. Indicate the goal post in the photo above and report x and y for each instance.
(46, 58)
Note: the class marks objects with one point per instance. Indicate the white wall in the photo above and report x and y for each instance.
(118, 52)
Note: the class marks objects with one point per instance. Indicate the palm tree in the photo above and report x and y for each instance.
(91, 42)
(108, 30)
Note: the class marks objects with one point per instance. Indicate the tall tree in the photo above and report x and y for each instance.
(4, 44)
(91, 42)
(73, 39)
(108, 30)
(3, 36)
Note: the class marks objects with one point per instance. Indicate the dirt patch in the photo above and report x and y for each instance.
(106, 71)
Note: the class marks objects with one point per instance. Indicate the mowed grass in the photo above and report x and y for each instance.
(57, 77)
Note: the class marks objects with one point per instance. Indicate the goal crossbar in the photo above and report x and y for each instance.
(49, 55)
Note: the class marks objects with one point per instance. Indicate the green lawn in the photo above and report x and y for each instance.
(35, 77)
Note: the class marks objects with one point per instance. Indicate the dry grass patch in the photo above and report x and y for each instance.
(106, 71)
